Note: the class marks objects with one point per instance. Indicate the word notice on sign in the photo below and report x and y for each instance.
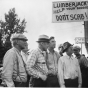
(79, 40)
(65, 11)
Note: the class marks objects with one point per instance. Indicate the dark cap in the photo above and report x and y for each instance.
(66, 45)
(43, 38)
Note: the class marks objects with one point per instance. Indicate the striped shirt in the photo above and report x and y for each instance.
(52, 62)
(36, 63)
(13, 68)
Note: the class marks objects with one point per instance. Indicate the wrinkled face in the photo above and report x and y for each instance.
(22, 44)
(76, 51)
(26, 48)
(52, 43)
(45, 45)
(70, 50)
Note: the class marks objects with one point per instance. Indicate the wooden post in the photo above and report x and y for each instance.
(86, 34)
(81, 48)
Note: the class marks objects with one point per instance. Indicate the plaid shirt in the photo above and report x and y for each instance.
(36, 63)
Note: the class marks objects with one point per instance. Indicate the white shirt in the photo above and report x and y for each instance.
(68, 67)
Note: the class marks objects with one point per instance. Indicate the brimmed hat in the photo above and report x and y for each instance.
(18, 36)
(66, 45)
(43, 38)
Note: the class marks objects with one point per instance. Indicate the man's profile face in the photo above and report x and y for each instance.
(45, 45)
(76, 51)
(22, 44)
(70, 50)
(52, 43)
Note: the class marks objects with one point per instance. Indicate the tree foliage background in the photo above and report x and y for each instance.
(12, 24)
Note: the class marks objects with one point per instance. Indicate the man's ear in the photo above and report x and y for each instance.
(17, 42)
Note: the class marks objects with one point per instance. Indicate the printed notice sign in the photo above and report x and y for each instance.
(69, 11)
(79, 40)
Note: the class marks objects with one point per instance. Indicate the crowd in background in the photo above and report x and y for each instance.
(43, 66)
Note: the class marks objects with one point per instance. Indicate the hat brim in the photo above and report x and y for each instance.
(43, 40)
(20, 39)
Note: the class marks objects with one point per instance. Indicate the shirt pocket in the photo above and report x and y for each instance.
(41, 60)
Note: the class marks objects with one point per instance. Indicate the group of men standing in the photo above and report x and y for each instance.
(44, 66)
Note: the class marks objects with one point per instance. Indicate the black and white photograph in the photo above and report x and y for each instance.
(44, 43)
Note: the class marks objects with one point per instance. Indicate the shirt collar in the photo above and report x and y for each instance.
(43, 52)
(48, 51)
(69, 56)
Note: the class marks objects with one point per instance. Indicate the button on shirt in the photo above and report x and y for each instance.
(68, 68)
(36, 63)
(10, 68)
(52, 62)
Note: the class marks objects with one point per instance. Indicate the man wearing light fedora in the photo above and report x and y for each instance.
(14, 71)
(36, 63)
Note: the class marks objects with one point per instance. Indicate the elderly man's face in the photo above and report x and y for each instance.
(22, 44)
(76, 51)
(44, 45)
(25, 50)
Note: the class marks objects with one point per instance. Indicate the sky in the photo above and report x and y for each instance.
(38, 15)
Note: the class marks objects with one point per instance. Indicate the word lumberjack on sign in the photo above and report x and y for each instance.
(65, 11)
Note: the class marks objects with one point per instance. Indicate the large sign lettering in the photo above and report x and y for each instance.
(65, 11)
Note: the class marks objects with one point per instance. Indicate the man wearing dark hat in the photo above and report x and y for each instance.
(36, 63)
(83, 65)
(14, 71)
(68, 68)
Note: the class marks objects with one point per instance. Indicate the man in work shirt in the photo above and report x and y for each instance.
(14, 72)
(36, 63)
(52, 64)
(83, 65)
(68, 68)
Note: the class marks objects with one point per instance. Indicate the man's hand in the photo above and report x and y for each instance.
(43, 77)
(51, 72)
(79, 86)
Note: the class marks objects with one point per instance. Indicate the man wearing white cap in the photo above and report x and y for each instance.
(14, 72)
(36, 63)
(83, 62)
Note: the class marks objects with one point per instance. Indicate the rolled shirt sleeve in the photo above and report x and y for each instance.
(30, 65)
(60, 72)
(7, 71)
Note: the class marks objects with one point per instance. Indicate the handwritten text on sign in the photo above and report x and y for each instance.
(70, 11)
